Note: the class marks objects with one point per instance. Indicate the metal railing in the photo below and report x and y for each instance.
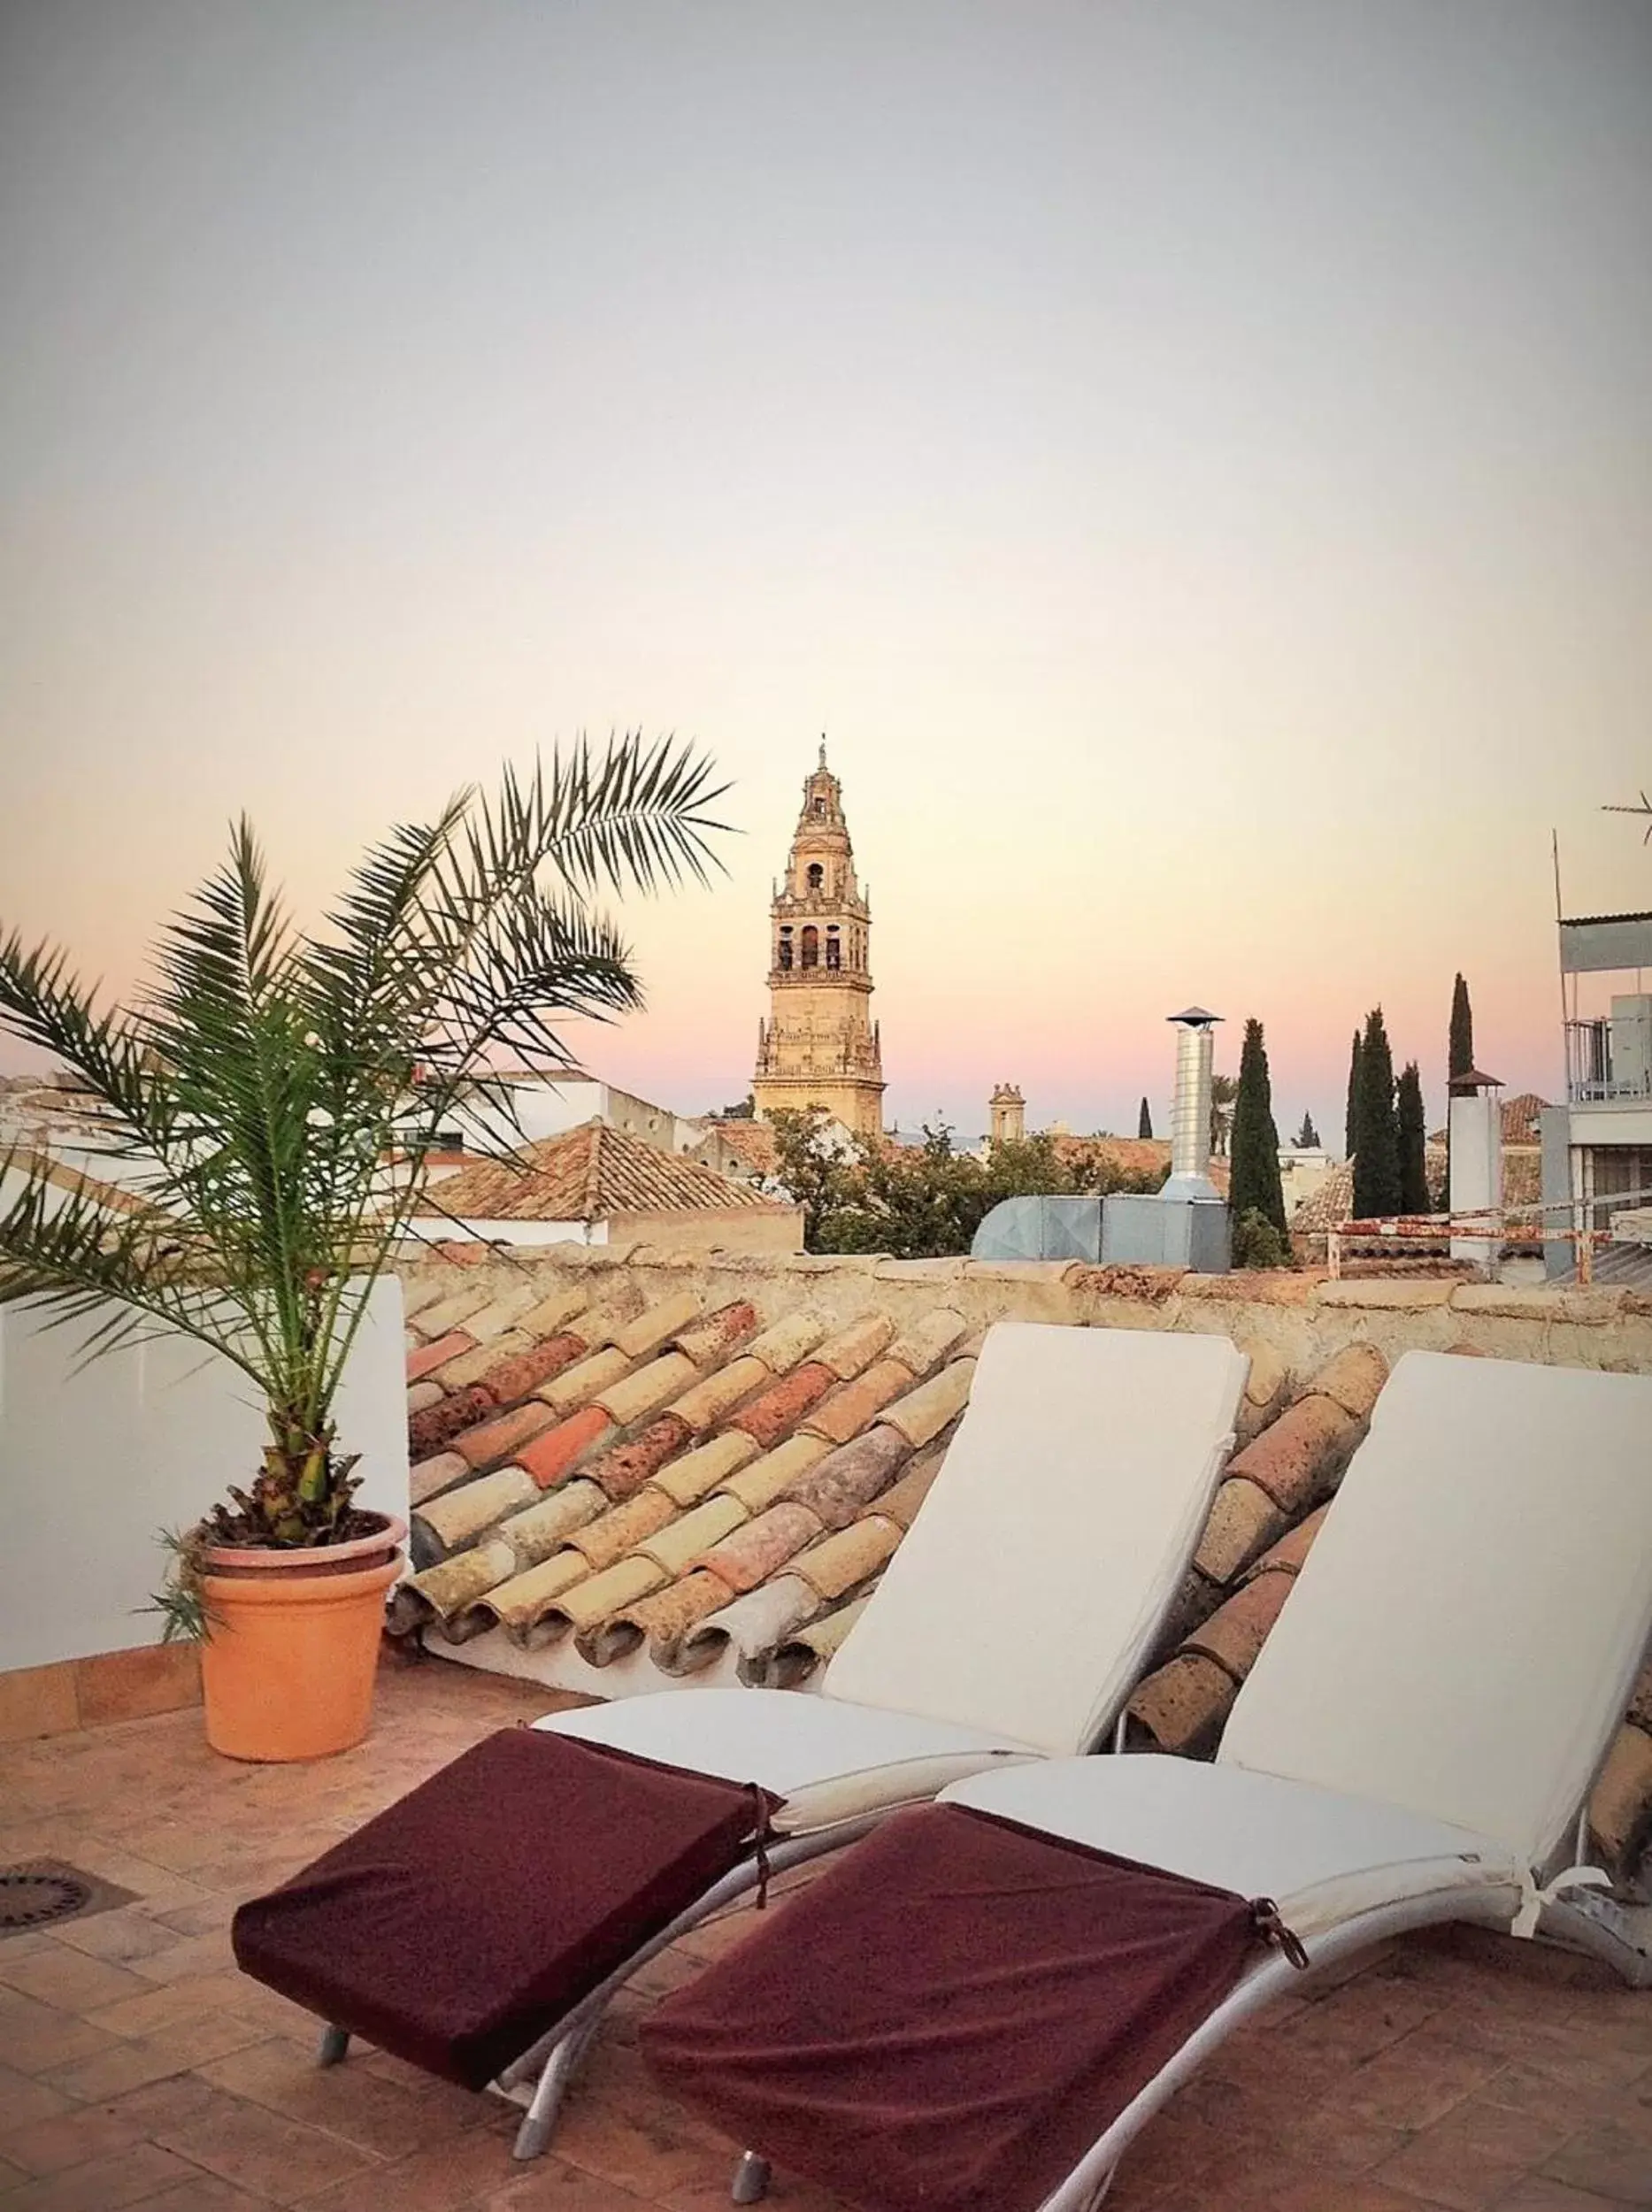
(1593, 1078)
(1493, 1226)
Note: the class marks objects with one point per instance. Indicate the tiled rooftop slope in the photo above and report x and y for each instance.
(629, 1472)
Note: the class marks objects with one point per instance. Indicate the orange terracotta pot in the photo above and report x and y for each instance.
(287, 1670)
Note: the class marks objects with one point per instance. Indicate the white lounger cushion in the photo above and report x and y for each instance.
(1465, 1633)
(1025, 1596)
(829, 1760)
(1322, 1858)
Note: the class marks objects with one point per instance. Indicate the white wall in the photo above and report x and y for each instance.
(93, 1464)
(438, 1227)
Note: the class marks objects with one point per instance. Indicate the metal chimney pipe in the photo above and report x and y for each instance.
(1190, 1116)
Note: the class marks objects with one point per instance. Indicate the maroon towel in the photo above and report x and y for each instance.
(459, 1924)
(948, 2017)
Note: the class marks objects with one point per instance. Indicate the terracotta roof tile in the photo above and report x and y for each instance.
(927, 1343)
(857, 1346)
(753, 1624)
(850, 1477)
(430, 1357)
(752, 1142)
(798, 1656)
(769, 1478)
(549, 1315)
(577, 1382)
(515, 1376)
(716, 1396)
(589, 1174)
(1297, 1458)
(1236, 1632)
(588, 1604)
(613, 1535)
(504, 1436)
(666, 1619)
(679, 1545)
(623, 1469)
(519, 1604)
(656, 1325)
(459, 1516)
(782, 1405)
(554, 1455)
(437, 1425)
(430, 1476)
(698, 1472)
(709, 1342)
(468, 1367)
(538, 1530)
(647, 1389)
(1243, 1522)
(852, 1404)
(787, 1341)
(922, 1415)
(900, 1501)
(751, 1555)
(839, 1562)
(420, 1394)
(500, 1311)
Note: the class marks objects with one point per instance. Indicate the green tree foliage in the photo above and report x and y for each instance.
(1256, 1242)
(1460, 1054)
(1413, 1130)
(1255, 1185)
(1377, 1186)
(745, 1111)
(1351, 1120)
(1144, 1121)
(1308, 1136)
(921, 1202)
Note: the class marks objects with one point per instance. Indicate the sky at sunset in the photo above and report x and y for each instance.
(1194, 462)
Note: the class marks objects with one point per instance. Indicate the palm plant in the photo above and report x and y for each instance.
(277, 1088)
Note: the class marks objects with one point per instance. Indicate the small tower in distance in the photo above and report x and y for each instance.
(1008, 1109)
(819, 1046)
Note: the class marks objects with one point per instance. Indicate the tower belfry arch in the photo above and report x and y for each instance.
(819, 1046)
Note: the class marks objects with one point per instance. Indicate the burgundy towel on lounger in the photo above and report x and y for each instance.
(946, 2019)
(459, 1924)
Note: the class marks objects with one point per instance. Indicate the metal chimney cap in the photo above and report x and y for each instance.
(1196, 1017)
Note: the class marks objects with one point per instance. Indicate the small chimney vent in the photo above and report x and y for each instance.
(1190, 1117)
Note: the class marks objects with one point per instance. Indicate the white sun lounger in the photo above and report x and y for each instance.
(1418, 1739)
(1011, 1624)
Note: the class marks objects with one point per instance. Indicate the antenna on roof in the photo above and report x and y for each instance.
(1645, 807)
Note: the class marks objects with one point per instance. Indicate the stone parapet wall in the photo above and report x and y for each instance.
(1290, 1323)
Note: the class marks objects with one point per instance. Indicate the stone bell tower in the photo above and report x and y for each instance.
(819, 1046)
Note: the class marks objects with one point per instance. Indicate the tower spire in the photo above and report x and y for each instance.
(820, 1048)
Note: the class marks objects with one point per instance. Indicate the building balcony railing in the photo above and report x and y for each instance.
(1597, 1074)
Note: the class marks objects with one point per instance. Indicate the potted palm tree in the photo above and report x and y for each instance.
(271, 1099)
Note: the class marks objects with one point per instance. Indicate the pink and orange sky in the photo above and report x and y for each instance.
(1194, 463)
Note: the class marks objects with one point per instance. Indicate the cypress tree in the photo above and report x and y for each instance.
(1460, 1056)
(1144, 1121)
(1413, 1136)
(1350, 1126)
(1375, 1134)
(1255, 1146)
(1308, 1136)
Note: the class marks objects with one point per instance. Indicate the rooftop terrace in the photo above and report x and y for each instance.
(138, 2068)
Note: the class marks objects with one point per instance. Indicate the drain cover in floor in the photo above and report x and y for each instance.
(43, 1891)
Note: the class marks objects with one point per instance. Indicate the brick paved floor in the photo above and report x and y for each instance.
(138, 2068)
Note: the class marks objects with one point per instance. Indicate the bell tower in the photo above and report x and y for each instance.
(819, 1046)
